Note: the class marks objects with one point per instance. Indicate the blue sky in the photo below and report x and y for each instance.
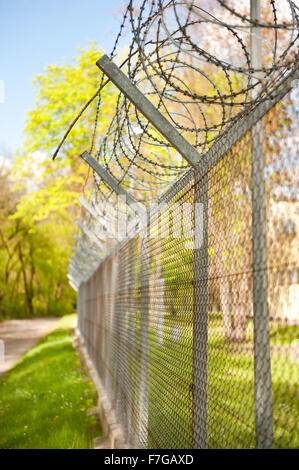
(35, 33)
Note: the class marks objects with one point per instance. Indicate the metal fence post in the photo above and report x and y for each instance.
(87, 251)
(262, 362)
(130, 347)
(79, 308)
(200, 312)
(141, 102)
(144, 335)
(91, 235)
(82, 307)
(108, 178)
(121, 366)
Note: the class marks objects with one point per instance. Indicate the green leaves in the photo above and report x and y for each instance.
(39, 198)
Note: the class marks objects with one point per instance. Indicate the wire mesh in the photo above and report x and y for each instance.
(172, 326)
(191, 318)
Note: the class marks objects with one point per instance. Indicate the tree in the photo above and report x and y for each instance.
(39, 198)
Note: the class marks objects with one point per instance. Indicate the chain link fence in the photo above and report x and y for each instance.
(187, 265)
(197, 345)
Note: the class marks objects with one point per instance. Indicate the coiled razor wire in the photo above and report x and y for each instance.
(192, 60)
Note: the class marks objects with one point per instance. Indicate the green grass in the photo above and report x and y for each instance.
(230, 387)
(44, 398)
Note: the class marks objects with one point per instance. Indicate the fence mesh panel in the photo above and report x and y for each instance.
(193, 323)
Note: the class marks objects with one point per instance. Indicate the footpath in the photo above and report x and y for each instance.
(17, 336)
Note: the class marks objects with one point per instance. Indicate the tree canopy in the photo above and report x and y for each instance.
(39, 198)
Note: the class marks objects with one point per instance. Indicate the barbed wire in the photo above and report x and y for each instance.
(192, 59)
(200, 86)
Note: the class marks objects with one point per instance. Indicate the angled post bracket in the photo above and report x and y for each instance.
(171, 134)
(94, 213)
(76, 270)
(78, 278)
(74, 286)
(91, 235)
(262, 355)
(108, 178)
(86, 249)
(73, 282)
(87, 253)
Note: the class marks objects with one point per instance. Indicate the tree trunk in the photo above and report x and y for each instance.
(240, 304)
(28, 291)
(225, 300)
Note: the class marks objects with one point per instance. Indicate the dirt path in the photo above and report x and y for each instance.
(19, 336)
